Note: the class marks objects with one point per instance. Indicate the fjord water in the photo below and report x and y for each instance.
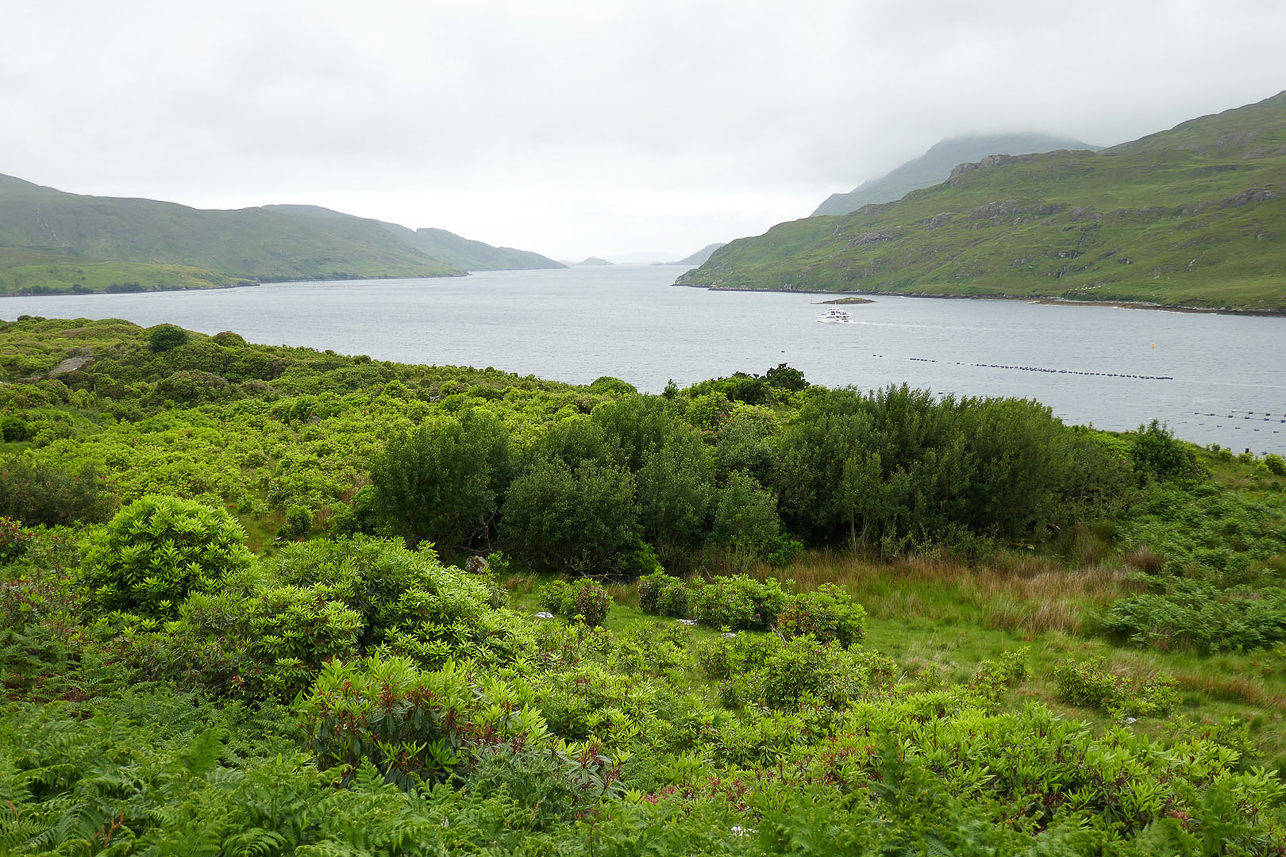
(1211, 378)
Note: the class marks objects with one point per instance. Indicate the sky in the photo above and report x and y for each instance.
(625, 129)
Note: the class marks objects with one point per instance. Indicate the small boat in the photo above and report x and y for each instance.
(833, 316)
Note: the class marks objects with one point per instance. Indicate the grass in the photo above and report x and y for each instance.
(939, 619)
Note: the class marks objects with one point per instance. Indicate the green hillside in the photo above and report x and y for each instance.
(474, 255)
(248, 244)
(1194, 216)
(447, 247)
(936, 164)
(30, 272)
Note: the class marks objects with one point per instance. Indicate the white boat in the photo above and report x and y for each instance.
(833, 316)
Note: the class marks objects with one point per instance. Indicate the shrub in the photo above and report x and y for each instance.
(828, 614)
(412, 725)
(296, 523)
(993, 676)
(253, 638)
(583, 517)
(663, 595)
(766, 670)
(14, 429)
(582, 599)
(738, 603)
(1196, 616)
(1272, 462)
(165, 337)
(1158, 456)
(408, 601)
(156, 551)
(37, 493)
(14, 539)
(1091, 685)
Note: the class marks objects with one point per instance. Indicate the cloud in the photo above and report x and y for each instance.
(545, 108)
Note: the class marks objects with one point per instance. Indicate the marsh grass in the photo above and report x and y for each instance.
(1021, 592)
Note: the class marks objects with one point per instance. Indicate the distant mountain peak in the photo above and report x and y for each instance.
(935, 166)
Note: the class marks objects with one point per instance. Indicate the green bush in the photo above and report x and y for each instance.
(413, 725)
(156, 551)
(584, 517)
(14, 539)
(1158, 456)
(1090, 684)
(663, 595)
(583, 598)
(1198, 617)
(408, 601)
(1273, 463)
(38, 493)
(828, 614)
(765, 670)
(14, 429)
(253, 638)
(738, 603)
(165, 337)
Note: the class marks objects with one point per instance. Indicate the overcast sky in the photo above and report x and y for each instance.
(598, 127)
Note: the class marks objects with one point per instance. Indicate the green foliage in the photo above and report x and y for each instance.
(36, 493)
(584, 600)
(14, 429)
(1275, 464)
(253, 638)
(1225, 538)
(165, 337)
(1090, 684)
(901, 464)
(827, 614)
(1158, 456)
(785, 674)
(14, 539)
(156, 551)
(663, 595)
(738, 603)
(1198, 617)
(411, 725)
(408, 602)
(584, 518)
(746, 516)
(443, 482)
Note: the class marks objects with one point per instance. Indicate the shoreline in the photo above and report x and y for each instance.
(1031, 299)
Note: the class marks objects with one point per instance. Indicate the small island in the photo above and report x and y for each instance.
(847, 299)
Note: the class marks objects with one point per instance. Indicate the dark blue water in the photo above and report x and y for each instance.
(1212, 378)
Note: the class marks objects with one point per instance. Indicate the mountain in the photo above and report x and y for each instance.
(475, 255)
(592, 261)
(700, 256)
(935, 166)
(52, 242)
(446, 247)
(1194, 216)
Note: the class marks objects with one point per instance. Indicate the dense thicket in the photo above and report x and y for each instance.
(169, 691)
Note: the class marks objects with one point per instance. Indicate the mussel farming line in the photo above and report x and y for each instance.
(1050, 371)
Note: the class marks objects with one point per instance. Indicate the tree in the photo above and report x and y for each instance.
(583, 517)
(443, 482)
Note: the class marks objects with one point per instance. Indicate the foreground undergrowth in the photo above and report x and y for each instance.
(244, 610)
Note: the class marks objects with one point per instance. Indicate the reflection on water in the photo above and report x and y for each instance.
(1212, 378)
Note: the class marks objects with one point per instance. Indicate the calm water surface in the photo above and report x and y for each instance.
(1213, 379)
